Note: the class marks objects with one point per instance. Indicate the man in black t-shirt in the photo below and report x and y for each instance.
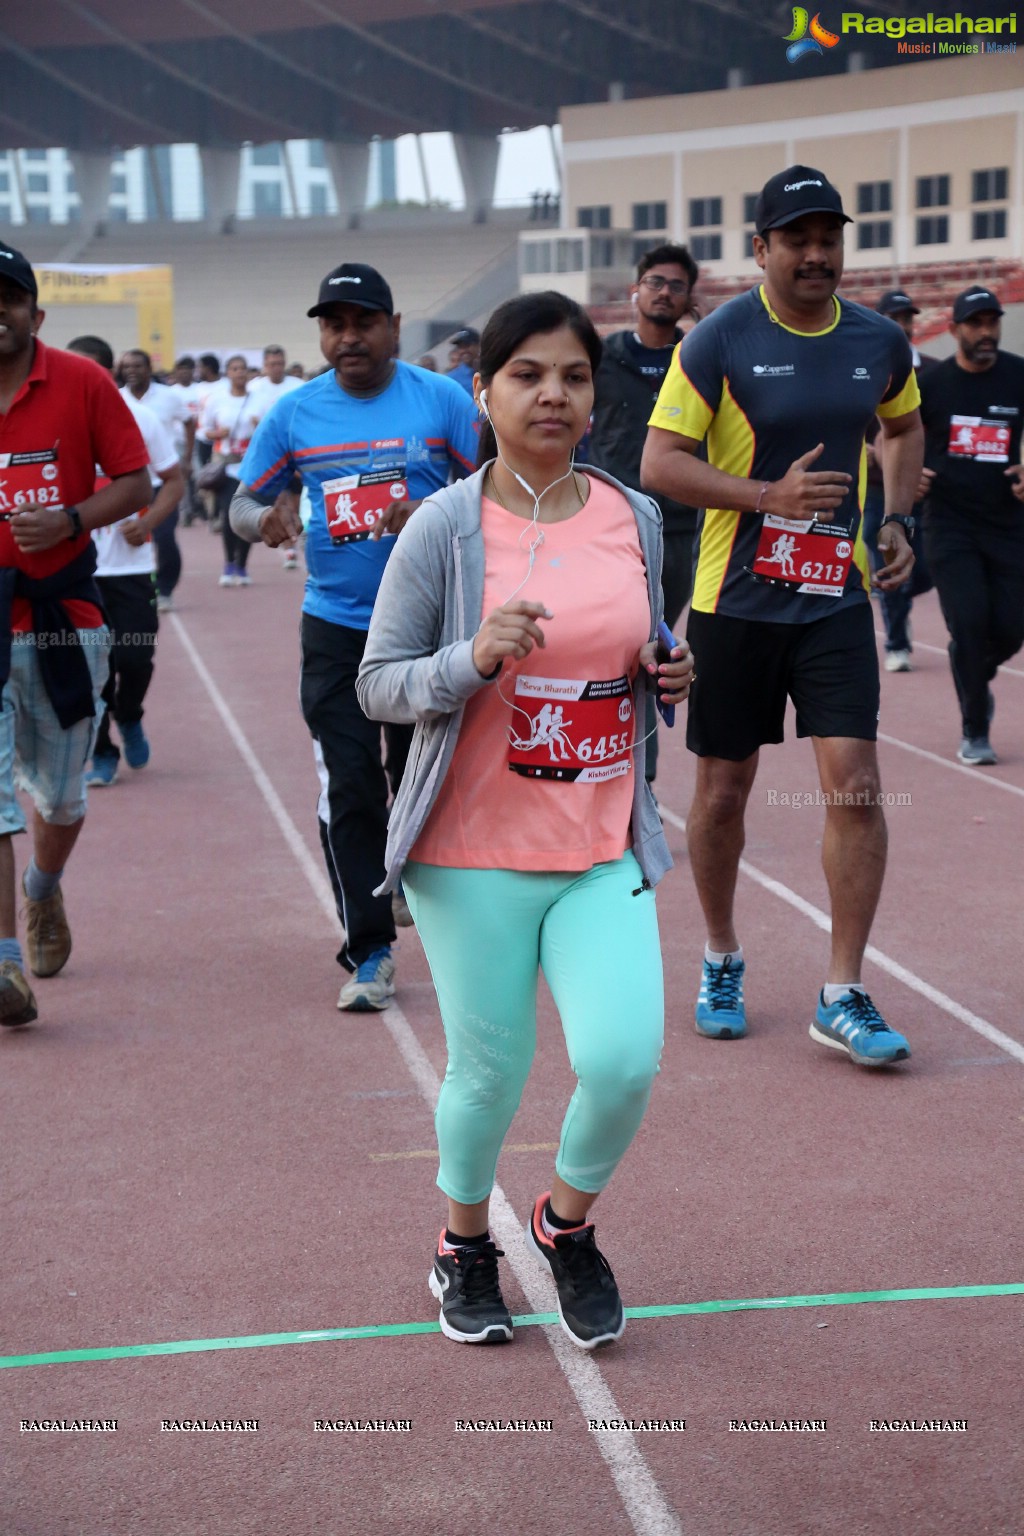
(972, 406)
(633, 366)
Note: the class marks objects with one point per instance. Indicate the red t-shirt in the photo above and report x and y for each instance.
(66, 418)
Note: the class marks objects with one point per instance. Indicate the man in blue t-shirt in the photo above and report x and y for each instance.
(368, 439)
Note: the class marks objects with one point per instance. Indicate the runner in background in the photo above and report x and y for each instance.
(274, 383)
(227, 422)
(59, 419)
(895, 605)
(515, 626)
(125, 570)
(209, 380)
(464, 357)
(633, 366)
(783, 383)
(972, 405)
(172, 412)
(369, 438)
(185, 385)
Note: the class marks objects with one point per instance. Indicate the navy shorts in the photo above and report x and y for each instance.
(748, 668)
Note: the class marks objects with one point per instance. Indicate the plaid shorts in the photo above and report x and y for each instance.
(36, 753)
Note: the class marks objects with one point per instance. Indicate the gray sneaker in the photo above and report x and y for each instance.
(371, 986)
(47, 937)
(977, 752)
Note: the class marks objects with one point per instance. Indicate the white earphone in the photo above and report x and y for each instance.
(483, 401)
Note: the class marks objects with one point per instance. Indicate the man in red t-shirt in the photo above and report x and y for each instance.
(60, 417)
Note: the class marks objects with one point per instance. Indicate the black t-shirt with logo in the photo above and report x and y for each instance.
(972, 425)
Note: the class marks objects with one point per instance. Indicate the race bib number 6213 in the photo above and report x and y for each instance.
(355, 504)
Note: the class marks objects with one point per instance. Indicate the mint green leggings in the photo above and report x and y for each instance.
(487, 933)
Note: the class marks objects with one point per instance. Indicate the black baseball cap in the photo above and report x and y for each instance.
(793, 192)
(896, 302)
(467, 337)
(354, 283)
(975, 301)
(16, 268)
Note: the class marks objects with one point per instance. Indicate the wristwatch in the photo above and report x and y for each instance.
(908, 524)
(72, 513)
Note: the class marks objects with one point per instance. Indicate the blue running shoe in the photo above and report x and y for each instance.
(371, 986)
(136, 745)
(854, 1025)
(102, 771)
(720, 1012)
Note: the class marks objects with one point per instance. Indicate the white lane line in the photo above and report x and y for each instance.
(978, 775)
(908, 978)
(648, 1512)
(941, 650)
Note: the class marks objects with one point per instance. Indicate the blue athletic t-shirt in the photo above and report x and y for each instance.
(422, 429)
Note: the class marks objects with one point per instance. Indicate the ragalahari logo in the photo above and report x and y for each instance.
(800, 43)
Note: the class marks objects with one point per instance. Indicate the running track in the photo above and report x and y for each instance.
(200, 1148)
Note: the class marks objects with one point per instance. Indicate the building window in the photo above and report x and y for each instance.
(749, 205)
(317, 157)
(932, 192)
(34, 155)
(602, 251)
(537, 256)
(705, 211)
(650, 216)
(266, 154)
(874, 234)
(317, 201)
(988, 224)
(706, 247)
(748, 244)
(597, 217)
(568, 255)
(874, 197)
(37, 181)
(5, 181)
(989, 186)
(934, 230)
(266, 200)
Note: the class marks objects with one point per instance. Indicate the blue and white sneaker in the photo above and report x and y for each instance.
(720, 1012)
(371, 986)
(854, 1025)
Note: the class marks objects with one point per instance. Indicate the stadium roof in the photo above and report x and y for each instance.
(105, 74)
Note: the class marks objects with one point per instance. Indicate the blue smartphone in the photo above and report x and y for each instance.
(666, 644)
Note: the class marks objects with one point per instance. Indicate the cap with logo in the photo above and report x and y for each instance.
(354, 283)
(896, 302)
(793, 192)
(16, 269)
(975, 301)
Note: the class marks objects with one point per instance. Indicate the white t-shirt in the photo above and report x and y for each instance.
(168, 407)
(189, 394)
(205, 388)
(114, 555)
(232, 413)
(263, 393)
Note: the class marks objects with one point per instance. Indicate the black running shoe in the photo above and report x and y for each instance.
(465, 1282)
(588, 1298)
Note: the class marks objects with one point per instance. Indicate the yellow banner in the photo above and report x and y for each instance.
(149, 289)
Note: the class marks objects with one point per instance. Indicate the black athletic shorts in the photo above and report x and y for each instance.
(747, 668)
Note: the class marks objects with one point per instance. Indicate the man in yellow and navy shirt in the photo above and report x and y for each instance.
(783, 383)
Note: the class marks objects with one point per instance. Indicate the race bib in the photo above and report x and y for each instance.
(576, 732)
(972, 437)
(355, 504)
(27, 478)
(807, 556)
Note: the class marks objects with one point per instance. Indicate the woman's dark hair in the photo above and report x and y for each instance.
(529, 314)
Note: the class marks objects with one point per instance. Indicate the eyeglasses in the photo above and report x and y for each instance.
(656, 284)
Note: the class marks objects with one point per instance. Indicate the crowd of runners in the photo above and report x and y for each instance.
(497, 561)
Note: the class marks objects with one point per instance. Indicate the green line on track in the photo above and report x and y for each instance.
(529, 1320)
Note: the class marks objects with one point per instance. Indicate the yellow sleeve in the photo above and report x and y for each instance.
(908, 399)
(680, 407)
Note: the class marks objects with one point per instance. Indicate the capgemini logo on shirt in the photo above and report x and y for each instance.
(773, 370)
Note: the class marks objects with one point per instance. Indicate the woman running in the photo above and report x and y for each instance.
(527, 594)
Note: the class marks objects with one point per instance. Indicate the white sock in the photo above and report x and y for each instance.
(734, 956)
(834, 990)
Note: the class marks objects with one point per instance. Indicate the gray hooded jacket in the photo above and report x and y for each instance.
(418, 664)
